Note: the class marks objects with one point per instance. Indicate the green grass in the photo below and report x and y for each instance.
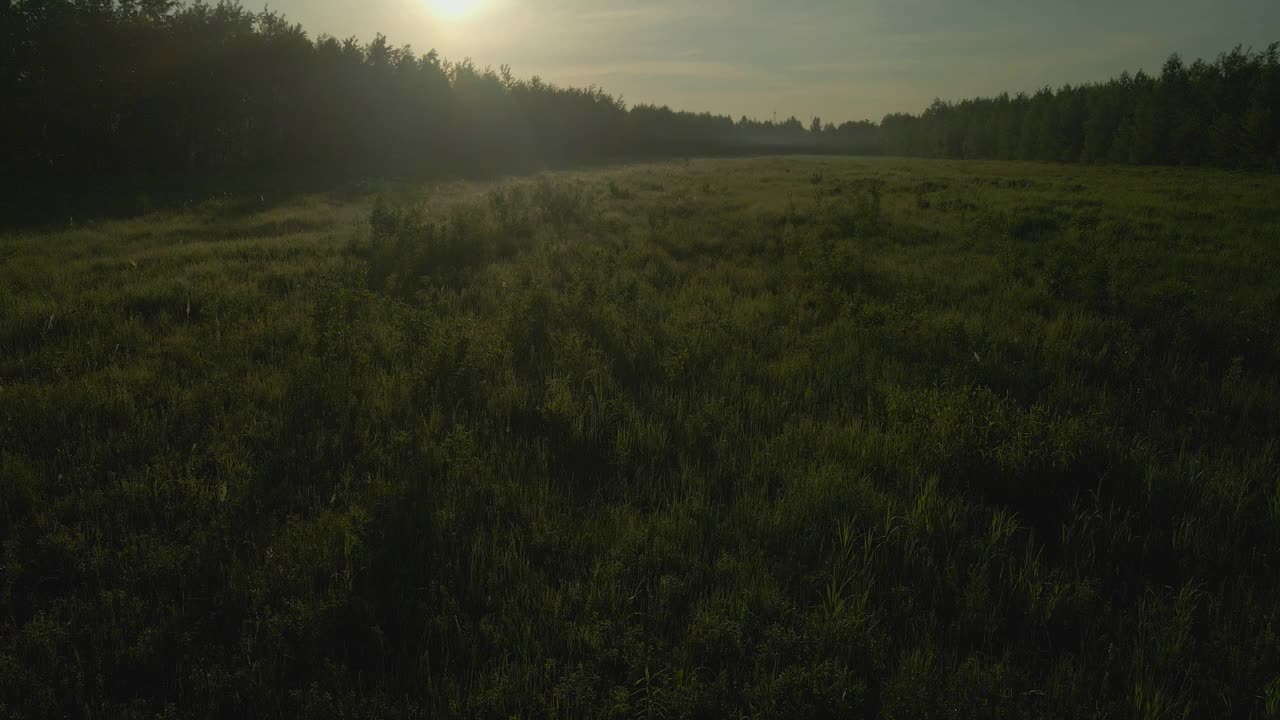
(751, 438)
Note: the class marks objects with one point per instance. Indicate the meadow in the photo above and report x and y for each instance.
(801, 437)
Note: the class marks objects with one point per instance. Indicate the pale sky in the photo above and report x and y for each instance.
(841, 60)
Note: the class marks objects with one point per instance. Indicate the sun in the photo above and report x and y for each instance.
(453, 9)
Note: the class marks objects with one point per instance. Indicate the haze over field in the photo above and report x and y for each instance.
(840, 60)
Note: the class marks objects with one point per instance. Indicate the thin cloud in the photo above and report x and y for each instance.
(650, 15)
(706, 70)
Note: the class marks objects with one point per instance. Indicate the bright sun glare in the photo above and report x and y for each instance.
(453, 9)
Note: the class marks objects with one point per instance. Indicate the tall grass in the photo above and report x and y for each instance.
(768, 438)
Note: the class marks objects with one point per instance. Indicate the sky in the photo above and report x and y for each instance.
(840, 60)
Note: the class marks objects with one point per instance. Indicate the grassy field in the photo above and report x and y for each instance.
(750, 438)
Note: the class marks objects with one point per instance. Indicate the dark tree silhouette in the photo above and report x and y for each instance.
(136, 91)
(153, 94)
(1224, 113)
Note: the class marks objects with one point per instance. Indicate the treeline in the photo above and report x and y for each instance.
(146, 89)
(99, 88)
(1224, 113)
